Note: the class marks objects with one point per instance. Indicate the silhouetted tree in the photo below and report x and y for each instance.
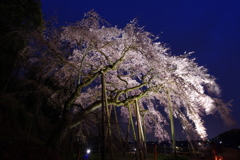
(17, 19)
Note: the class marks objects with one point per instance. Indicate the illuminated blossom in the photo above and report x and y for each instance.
(136, 66)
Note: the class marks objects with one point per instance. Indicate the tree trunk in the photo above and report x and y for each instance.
(60, 131)
(65, 123)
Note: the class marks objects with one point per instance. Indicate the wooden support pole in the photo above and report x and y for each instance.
(155, 151)
(171, 122)
(29, 130)
(103, 120)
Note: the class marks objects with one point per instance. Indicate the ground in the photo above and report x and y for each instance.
(23, 150)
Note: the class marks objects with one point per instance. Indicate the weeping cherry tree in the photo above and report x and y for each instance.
(137, 68)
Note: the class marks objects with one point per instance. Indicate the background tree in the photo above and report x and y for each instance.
(17, 19)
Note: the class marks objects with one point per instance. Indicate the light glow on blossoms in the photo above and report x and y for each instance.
(136, 66)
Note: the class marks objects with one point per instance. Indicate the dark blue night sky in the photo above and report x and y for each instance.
(211, 28)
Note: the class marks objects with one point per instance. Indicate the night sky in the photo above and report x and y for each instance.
(210, 28)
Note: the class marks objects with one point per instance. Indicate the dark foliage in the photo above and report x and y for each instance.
(231, 138)
(17, 18)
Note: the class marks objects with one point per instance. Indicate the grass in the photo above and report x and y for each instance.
(228, 153)
(131, 156)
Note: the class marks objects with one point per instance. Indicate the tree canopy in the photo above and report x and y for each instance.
(136, 65)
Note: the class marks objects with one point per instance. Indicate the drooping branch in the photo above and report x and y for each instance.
(98, 104)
